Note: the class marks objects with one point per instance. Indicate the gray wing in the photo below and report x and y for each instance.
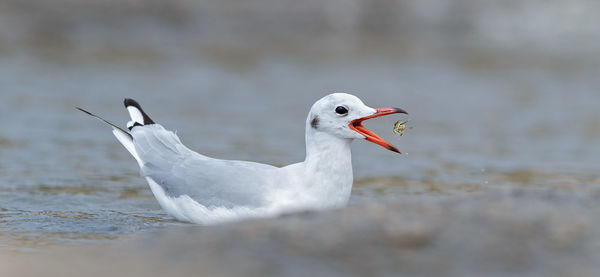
(210, 182)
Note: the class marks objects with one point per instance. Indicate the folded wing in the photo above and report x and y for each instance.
(210, 182)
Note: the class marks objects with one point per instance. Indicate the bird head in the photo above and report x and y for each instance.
(342, 114)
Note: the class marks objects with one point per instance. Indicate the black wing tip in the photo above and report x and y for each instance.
(128, 102)
(81, 109)
(104, 120)
(135, 124)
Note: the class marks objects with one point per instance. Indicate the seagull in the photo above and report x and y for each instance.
(203, 190)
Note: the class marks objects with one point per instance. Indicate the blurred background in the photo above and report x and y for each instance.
(503, 96)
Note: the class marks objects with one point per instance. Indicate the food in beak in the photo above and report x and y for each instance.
(357, 126)
(400, 127)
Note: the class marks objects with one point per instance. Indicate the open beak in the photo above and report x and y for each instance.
(357, 126)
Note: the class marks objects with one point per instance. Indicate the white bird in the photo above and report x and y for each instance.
(192, 187)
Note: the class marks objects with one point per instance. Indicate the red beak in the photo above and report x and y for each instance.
(357, 126)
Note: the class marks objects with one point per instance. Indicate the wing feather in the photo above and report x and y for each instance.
(210, 182)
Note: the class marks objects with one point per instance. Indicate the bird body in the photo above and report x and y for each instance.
(204, 190)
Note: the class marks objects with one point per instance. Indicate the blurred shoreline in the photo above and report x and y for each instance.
(150, 30)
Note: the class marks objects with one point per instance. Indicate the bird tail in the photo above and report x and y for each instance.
(137, 114)
(122, 135)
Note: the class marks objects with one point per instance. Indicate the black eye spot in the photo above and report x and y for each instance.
(341, 110)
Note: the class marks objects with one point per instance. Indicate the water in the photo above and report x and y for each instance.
(504, 142)
(499, 176)
(63, 172)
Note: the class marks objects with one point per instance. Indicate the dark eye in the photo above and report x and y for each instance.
(341, 110)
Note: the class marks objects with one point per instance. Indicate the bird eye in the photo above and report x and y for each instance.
(341, 110)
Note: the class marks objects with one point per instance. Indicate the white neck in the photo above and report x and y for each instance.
(328, 167)
(325, 148)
